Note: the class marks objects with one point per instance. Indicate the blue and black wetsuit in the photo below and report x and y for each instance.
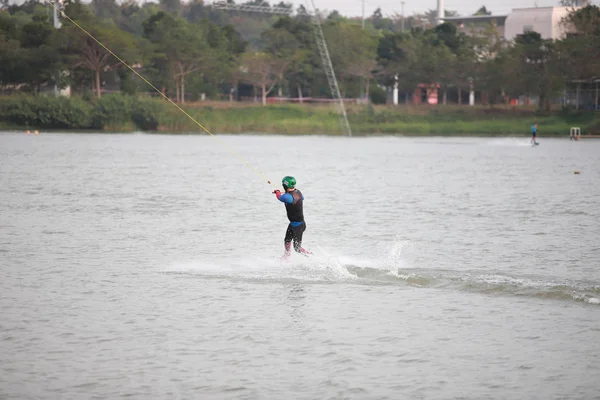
(533, 132)
(293, 205)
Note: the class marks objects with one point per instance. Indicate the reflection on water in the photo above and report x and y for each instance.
(296, 301)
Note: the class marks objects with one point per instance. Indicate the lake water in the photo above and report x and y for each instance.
(147, 266)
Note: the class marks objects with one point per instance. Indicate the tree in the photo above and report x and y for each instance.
(352, 50)
(129, 7)
(181, 48)
(395, 53)
(449, 35)
(171, 6)
(133, 16)
(585, 22)
(28, 49)
(377, 14)
(233, 49)
(106, 9)
(364, 68)
(535, 65)
(334, 16)
(13, 61)
(579, 51)
(379, 22)
(304, 71)
(282, 44)
(573, 3)
(39, 42)
(195, 10)
(77, 10)
(486, 64)
(94, 56)
(262, 70)
(27, 6)
(432, 59)
(483, 11)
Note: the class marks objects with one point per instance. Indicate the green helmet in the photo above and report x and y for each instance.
(289, 182)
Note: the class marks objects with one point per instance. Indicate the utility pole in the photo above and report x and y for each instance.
(57, 23)
(56, 4)
(363, 14)
(402, 21)
(440, 12)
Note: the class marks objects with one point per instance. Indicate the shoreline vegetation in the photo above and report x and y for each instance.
(121, 113)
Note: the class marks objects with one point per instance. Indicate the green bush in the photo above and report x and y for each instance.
(378, 95)
(145, 114)
(16, 111)
(45, 112)
(114, 112)
(111, 111)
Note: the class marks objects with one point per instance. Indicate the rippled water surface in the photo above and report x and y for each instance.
(147, 266)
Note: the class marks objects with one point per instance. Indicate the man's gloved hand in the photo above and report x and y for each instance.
(277, 193)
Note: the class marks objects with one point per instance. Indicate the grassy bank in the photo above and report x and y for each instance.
(125, 114)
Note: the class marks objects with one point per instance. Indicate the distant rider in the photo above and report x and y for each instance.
(293, 199)
(533, 133)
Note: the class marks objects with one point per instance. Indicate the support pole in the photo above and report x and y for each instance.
(395, 93)
(471, 93)
(57, 25)
(440, 12)
(363, 14)
(402, 20)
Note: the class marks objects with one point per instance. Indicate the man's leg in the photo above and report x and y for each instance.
(298, 232)
(287, 241)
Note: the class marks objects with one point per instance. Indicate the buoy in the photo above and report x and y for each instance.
(576, 172)
(36, 132)
(27, 132)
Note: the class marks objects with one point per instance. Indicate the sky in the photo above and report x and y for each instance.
(353, 8)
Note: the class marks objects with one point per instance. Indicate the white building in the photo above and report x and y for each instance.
(547, 21)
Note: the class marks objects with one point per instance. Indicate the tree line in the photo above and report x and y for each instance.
(189, 49)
